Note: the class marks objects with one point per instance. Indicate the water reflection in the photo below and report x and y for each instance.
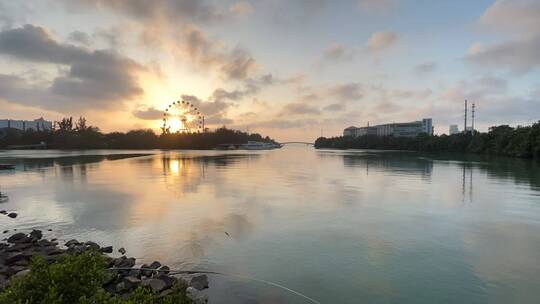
(339, 226)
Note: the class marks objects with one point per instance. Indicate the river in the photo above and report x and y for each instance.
(336, 226)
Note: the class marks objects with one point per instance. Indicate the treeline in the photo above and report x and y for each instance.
(500, 140)
(68, 134)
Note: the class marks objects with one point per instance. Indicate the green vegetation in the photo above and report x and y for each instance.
(78, 279)
(79, 135)
(501, 140)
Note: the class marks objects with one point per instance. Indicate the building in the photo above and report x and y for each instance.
(453, 130)
(406, 129)
(36, 124)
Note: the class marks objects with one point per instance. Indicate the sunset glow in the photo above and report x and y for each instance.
(284, 69)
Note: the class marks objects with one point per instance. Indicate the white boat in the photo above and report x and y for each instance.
(257, 145)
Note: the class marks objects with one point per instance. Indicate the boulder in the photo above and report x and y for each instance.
(196, 296)
(12, 257)
(22, 273)
(169, 281)
(91, 246)
(18, 238)
(127, 263)
(71, 243)
(145, 270)
(3, 282)
(156, 285)
(108, 249)
(4, 212)
(36, 235)
(155, 265)
(122, 251)
(164, 269)
(12, 215)
(131, 282)
(199, 281)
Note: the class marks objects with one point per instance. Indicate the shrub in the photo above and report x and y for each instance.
(77, 279)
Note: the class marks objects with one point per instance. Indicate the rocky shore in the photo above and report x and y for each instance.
(126, 275)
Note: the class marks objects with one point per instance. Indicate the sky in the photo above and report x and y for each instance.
(290, 69)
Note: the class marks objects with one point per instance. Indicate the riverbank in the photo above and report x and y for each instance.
(34, 269)
(88, 137)
(522, 142)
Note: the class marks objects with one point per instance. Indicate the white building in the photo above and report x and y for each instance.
(36, 124)
(406, 129)
(453, 130)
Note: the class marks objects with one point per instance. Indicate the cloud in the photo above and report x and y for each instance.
(207, 108)
(235, 64)
(79, 37)
(337, 53)
(94, 79)
(426, 67)
(519, 18)
(519, 56)
(378, 5)
(239, 65)
(283, 123)
(171, 10)
(416, 94)
(148, 114)
(299, 108)
(347, 91)
(381, 40)
(218, 119)
(335, 107)
(513, 16)
(242, 8)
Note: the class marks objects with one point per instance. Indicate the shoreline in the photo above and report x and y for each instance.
(19, 249)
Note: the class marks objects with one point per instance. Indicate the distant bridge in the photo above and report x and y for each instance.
(297, 143)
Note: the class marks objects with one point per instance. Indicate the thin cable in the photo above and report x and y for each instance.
(173, 272)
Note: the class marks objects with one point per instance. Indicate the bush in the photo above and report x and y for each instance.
(77, 279)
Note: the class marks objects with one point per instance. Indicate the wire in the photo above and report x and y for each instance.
(173, 272)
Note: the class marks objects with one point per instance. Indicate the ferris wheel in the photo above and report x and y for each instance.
(182, 117)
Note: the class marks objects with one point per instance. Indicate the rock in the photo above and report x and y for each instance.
(131, 282)
(52, 250)
(12, 257)
(121, 287)
(145, 271)
(155, 265)
(22, 273)
(122, 251)
(15, 269)
(17, 237)
(134, 273)
(155, 284)
(127, 263)
(36, 235)
(196, 296)
(3, 282)
(166, 292)
(12, 215)
(71, 243)
(108, 249)
(169, 281)
(5, 231)
(19, 247)
(91, 246)
(4, 212)
(164, 269)
(6, 271)
(49, 229)
(199, 281)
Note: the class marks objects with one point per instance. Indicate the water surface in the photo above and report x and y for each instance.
(337, 226)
